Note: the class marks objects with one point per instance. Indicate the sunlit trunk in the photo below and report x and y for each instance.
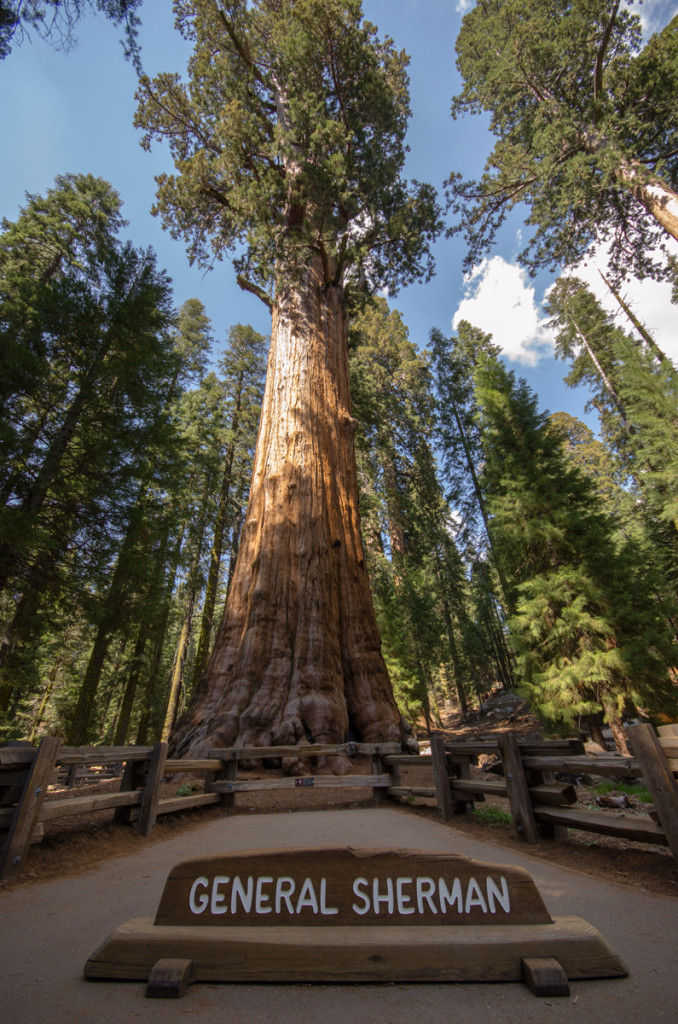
(297, 656)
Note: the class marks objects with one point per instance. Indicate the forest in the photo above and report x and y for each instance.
(209, 535)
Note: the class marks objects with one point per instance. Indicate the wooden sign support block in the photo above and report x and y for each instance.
(349, 915)
(169, 979)
(545, 977)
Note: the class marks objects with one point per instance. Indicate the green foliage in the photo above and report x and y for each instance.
(288, 139)
(418, 579)
(650, 392)
(635, 391)
(589, 631)
(492, 816)
(91, 341)
(481, 613)
(92, 451)
(583, 122)
(635, 789)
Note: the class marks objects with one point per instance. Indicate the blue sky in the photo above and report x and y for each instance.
(73, 112)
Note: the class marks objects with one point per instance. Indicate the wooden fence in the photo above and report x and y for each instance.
(540, 805)
(26, 774)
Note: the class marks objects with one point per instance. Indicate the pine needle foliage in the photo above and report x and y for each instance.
(588, 633)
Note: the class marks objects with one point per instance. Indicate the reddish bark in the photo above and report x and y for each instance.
(297, 656)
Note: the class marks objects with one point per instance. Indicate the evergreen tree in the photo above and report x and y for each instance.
(86, 431)
(243, 372)
(634, 389)
(585, 122)
(454, 360)
(415, 568)
(598, 462)
(587, 629)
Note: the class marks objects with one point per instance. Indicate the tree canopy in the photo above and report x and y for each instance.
(586, 125)
(288, 138)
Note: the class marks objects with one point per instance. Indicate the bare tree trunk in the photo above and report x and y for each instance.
(640, 327)
(192, 585)
(206, 625)
(615, 723)
(157, 642)
(127, 703)
(595, 724)
(298, 653)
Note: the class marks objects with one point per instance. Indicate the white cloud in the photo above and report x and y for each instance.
(500, 301)
(654, 15)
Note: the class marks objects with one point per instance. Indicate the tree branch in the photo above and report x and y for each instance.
(250, 286)
(600, 56)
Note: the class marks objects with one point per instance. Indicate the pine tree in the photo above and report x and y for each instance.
(243, 370)
(454, 360)
(585, 122)
(587, 629)
(415, 568)
(86, 430)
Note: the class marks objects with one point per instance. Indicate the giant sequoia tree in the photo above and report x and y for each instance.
(586, 129)
(288, 140)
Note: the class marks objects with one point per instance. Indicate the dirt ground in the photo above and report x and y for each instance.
(76, 844)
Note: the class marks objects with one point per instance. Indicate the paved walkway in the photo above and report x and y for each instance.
(48, 930)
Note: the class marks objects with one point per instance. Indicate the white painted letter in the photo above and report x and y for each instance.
(307, 897)
(474, 897)
(387, 898)
(324, 909)
(426, 887)
(261, 897)
(245, 896)
(284, 888)
(362, 895)
(450, 896)
(502, 898)
(402, 898)
(218, 897)
(197, 906)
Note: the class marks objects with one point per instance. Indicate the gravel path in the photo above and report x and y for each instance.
(48, 930)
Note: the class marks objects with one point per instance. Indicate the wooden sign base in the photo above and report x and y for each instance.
(347, 915)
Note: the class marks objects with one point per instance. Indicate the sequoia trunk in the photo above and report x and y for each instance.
(297, 656)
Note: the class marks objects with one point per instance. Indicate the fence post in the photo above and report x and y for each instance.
(659, 778)
(459, 767)
(28, 809)
(441, 777)
(669, 733)
(516, 785)
(11, 794)
(379, 794)
(227, 773)
(149, 801)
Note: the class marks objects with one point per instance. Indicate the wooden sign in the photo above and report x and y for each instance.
(398, 888)
(343, 914)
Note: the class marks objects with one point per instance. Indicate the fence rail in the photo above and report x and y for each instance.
(26, 774)
(541, 806)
